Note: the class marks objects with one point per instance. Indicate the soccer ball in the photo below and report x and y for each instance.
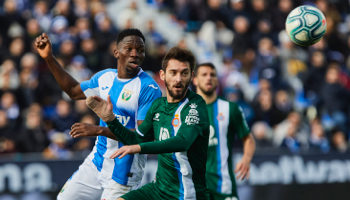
(306, 25)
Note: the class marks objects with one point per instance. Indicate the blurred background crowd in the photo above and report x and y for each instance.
(295, 99)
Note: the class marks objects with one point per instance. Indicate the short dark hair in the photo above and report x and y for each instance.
(208, 64)
(179, 54)
(129, 32)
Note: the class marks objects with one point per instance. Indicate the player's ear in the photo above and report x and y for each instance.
(116, 52)
(194, 81)
(162, 75)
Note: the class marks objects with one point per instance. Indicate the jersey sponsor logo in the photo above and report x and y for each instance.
(220, 117)
(164, 134)
(153, 86)
(213, 141)
(123, 119)
(156, 117)
(192, 116)
(176, 121)
(126, 95)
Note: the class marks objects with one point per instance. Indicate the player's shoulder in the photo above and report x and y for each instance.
(233, 105)
(148, 81)
(195, 98)
(158, 104)
(105, 71)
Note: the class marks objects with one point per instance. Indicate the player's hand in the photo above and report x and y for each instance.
(102, 108)
(83, 130)
(242, 169)
(42, 45)
(125, 150)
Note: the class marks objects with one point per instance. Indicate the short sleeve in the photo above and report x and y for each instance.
(91, 87)
(149, 93)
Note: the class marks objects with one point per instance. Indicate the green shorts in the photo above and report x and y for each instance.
(217, 196)
(146, 192)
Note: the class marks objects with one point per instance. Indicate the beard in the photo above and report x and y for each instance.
(179, 95)
(208, 92)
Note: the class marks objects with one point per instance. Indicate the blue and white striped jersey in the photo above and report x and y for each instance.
(131, 100)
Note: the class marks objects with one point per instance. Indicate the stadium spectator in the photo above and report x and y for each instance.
(263, 135)
(314, 76)
(9, 79)
(293, 126)
(64, 117)
(58, 148)
(28, 80)
(334, 98)
(280, 13)
(318, 141)
(8, 103)
(338, 141)
(241, 42)
(32, 137)
(7, 136)
(265, 109)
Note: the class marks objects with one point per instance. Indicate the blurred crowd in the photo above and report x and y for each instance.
(294, 98)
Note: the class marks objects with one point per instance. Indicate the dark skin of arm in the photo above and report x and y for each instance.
(67, 83)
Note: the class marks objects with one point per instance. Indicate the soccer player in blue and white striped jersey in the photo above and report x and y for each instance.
(132, 92)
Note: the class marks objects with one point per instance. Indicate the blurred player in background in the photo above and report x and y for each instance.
(132, 92)
(176, 127)
(226, 120)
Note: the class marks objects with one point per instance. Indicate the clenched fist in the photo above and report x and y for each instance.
(42, 45)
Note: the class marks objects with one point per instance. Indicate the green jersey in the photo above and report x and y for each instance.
(226, 120)
(179, 133)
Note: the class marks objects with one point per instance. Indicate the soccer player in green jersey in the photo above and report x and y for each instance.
(226, 120)
(176, 127)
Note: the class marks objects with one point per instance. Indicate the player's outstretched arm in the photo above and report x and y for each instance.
(84, 130)
(243, 166)
(67, 83)
(104, 109)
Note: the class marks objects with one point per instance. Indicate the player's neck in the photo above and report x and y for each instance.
(171, 99)
(208, 98)
(124, 74)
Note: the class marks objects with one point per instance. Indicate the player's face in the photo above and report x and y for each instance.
(130, 53)
(177, 77)
(206, 80)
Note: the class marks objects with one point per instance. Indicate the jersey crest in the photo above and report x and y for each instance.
(126, 95)
(220, 117)
(192, 117)
(176, 121)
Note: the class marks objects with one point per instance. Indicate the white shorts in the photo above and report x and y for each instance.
(89, 184)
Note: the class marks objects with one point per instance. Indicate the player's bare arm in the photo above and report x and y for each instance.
(85, 130)
(67, 83)
(243, 166)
